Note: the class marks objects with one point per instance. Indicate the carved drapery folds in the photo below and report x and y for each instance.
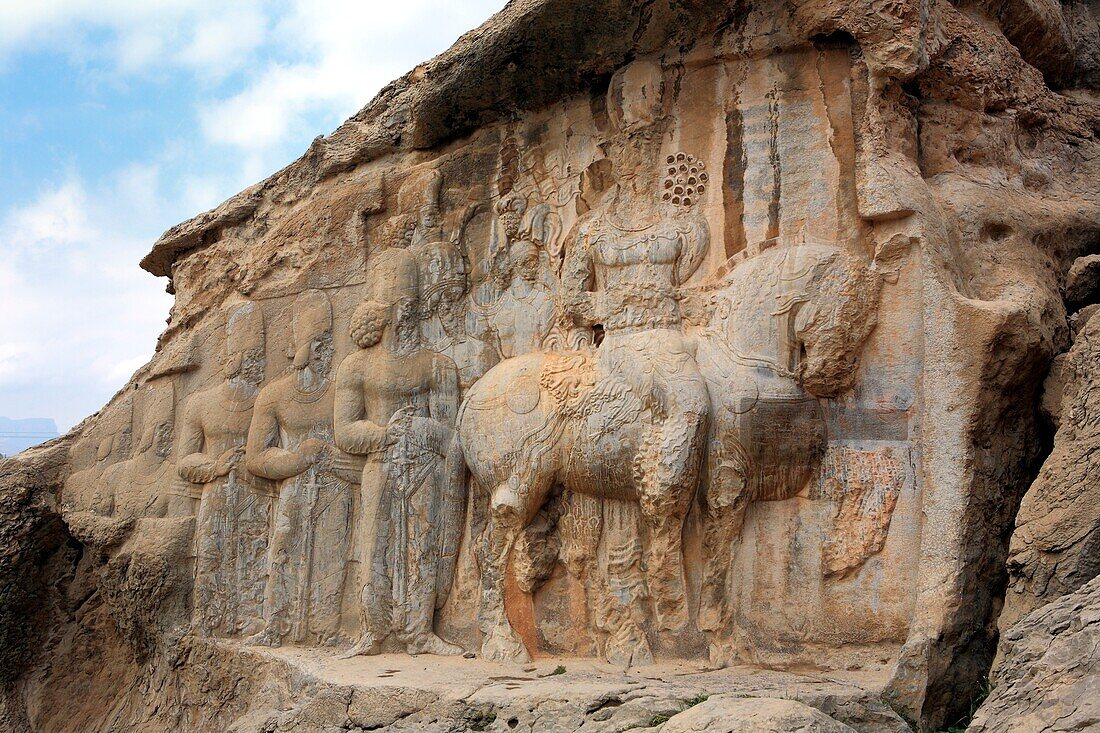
(558, 393)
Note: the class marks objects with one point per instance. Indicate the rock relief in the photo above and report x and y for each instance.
(552, 386)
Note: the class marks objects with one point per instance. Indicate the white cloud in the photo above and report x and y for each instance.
(210, 37)
(347, 51)
(224, 42)
(76, 314)
(58, 218)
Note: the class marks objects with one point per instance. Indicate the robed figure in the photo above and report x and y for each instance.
(396, 404)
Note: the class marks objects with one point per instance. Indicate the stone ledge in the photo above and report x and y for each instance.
(429, 693)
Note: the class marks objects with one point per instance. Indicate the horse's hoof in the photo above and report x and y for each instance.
(505, 648)
(432, 644)
(630, 651)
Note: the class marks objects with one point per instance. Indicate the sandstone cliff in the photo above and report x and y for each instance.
(669, 365)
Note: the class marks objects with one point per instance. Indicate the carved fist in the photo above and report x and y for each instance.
(229, 460)
(312, 449)
(400, 425)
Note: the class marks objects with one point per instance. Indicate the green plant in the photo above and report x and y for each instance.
(482, 722)
(662, 718)
(976, 699)
(701, 697)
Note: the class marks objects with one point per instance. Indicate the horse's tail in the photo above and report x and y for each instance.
(453, 515)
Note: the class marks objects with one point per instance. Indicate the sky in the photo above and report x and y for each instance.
(122, 118)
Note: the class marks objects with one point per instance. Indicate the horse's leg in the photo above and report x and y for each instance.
(621, 589)
(500, 640)
(726, 501)
(670, 471)
(723, 524)
(512, 506)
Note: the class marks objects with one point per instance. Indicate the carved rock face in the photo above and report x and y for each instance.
(718, 345)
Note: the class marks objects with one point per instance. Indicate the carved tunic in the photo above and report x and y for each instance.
(626, 274)
(523, 317)
(307, 555)
(232, 523)
(399, 411)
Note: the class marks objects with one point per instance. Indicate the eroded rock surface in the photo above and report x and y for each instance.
(1049, 674)
(1056, 545)
(700, 333)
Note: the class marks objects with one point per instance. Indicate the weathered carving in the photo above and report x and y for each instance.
(570, 420)
(396, 405)
(141, 486)
(523, 315)
(549, 403)
(866, 485)
(107, 442)
(232, 521)
(291, 441)
(632, 365)
(638, 401)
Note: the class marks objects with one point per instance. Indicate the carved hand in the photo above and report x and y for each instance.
(229, 460)
(312, 450)
(400, 425)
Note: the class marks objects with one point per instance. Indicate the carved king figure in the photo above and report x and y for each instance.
(396, 404)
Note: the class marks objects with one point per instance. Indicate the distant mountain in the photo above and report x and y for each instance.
(17, 435)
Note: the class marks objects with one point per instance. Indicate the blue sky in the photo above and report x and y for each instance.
(121, 118)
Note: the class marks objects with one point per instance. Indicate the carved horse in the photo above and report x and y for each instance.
(778, 330)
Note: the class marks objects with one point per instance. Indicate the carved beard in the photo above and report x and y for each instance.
(635, 159)
(245, 369)
(406, 330)
(321, 356)
(252, 367)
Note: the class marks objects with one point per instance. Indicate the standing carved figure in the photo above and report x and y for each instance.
(523, 316)
(291, 441)
(396, 404)
(442, 294)
(232, 523)
(440, 264)
(107, 442)
(140, 485)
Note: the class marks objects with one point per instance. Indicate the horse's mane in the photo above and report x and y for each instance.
(724, 274)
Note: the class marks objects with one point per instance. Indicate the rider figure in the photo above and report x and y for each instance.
(624, 271)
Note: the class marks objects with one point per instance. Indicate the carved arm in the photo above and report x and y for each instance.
(263, 456)
(355, 433)
(195, 466)
(578, 301)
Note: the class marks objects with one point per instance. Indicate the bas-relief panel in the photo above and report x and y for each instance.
(584, 378)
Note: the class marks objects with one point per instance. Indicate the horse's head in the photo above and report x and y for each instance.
(840, 313)
(828, 329)
(803, 311)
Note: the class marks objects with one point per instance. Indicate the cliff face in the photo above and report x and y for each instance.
(674, 336)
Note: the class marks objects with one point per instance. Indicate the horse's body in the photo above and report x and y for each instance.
(780, 327)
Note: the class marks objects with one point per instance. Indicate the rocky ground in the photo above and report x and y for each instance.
(978, 137)
(295, 689)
